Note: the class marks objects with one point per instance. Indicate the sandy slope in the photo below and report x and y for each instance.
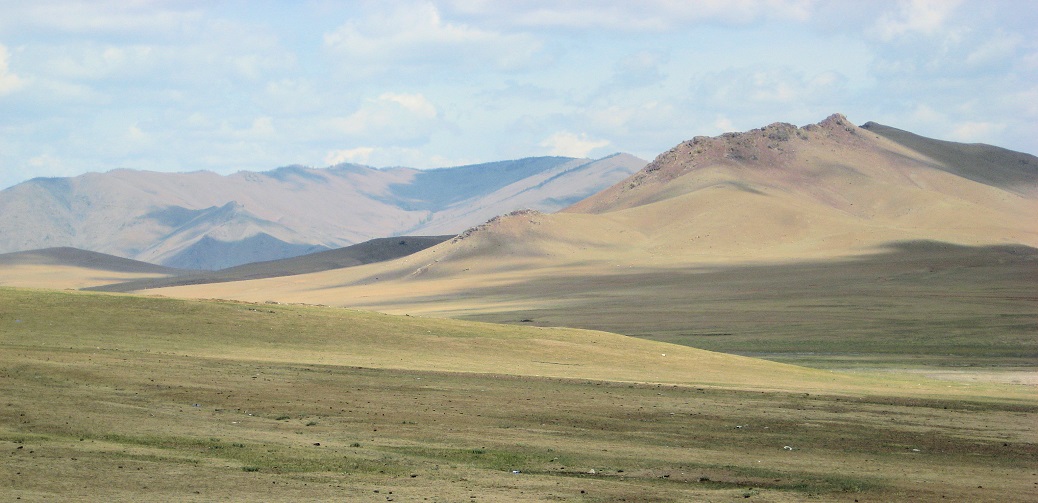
(64, 277)
(63, 267)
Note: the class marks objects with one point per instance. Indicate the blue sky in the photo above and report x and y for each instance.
(235, 85)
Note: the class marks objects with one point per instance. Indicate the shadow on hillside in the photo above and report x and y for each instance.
(375, 250)
(936, 303)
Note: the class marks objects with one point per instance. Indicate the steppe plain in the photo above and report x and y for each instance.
(868, 295)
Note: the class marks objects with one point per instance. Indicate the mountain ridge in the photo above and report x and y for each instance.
(202, 220)
(778, 194)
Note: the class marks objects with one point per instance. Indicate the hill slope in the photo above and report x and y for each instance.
(801, 201)
(65, 267)
(320, 336)
(775, 194)
(827, 186)
(375, 250)
(205, 221)
(1006, 169)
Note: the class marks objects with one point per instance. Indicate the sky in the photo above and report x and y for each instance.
(226, 86)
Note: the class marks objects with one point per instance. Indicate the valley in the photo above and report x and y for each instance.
(817, 313)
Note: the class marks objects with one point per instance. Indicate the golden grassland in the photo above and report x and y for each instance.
(913, 304)
(778, 202)
(117, 397)
(64, 276)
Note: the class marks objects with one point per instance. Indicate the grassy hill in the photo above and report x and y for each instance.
(65, 267)
(115, 397)
(828, 245)
(300, 334)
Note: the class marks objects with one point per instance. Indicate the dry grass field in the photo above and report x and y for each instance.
(913, 305)
(830, 245)
(124, 398)
(61, 268)
(66, 277)
(827, 313)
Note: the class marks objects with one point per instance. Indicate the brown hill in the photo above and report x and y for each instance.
(68, 256)
(773, 194)
(999, 167)
(825, 197)
(842, 174)
(65, 267)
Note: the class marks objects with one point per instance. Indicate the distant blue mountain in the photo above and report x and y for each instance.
(202, 220)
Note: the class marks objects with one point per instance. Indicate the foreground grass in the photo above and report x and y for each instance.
(312, 335)
(124, 398)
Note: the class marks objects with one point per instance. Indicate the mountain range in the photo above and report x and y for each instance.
(781, 194)
(203, 220)
(790, 242)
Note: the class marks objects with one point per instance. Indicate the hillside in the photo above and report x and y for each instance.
(827, 186)
(987, 164)
(307, 335)
(375, 250)
(202, 220)
(829, 214)
(66, 267)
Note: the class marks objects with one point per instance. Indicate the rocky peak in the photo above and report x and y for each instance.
(837, 119)
(772, 146)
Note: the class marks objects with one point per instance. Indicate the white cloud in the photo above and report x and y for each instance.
(640, 68)
(976, 131)
(565, 143)
(100, 16)
(359, 155)
(927, 114)
(95, 62)
(653, 118)
(45, 161)
(135, 134)
(624, 15)
(293, 95)
(416, 104)
(259, 128)
(955, 122)
(737, 88)
(390, 118)
(390, 156)
(926, 17)
(262, 127)
(724, 124)
(9, 82)
(1000, 47)
(417, 35)
(49, 165)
